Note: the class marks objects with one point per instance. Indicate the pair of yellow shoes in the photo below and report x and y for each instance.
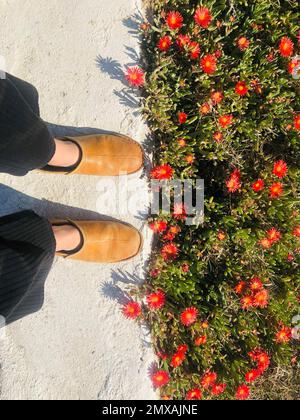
(104, 241)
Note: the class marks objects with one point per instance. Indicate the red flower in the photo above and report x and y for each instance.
(179, 212)
(297, 122)
(284, 335)
(185, 268)
(200, 341)
(239, 289)
(182, 117)
(241, 88)
(243, 43)
(234, 182)
(162, 172)
(261, 299)
(280, 169)
(161, 355)
(205, 108)
(258, 185)
(132, 310)
(209, 379)
(195, 49)
(160, 378)
(296, 232)
(225, 120)
(243, 393)
(218, 136)
(276, 190)
(164, 43)
(247, 302)
(181, 142)
(218, 389)
(183, 348)
(286, 47)
(292, 65)
(189, 316)
(256, 284)
(183, 40)
(194, 394)
(218, 54)
(169, 251)
(174, 20)
(203, 17)
(158, 226)
(274, 235)
(177, 359)
(252, 376)
(263, 360)
(217, 97)
(156, 300)
(190, 159)
(266, 243)
(155, 272)
(209, 64)
(222, 236)
(135, 76)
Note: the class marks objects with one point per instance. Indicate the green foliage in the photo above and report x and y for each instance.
(259, 137)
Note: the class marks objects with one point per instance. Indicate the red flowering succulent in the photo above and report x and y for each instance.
(241, 88)
(256, 284)
(274, 235)
(158, 226)
(209, 64)
(194, 49)
(234, 182)
(169, 251)
(218, 389)
(156, 300)
(280, 169)
(225, 120)
(284, 335)
(240, 287)
(252, 376)
(243, 43)
(182, 117)
(209, 379)
(183, 41)
(200, 341)
(286, 47)
(132, 310)
(218, 136)
(177, 359)
(135, 76)
(217, 97)
(276, 190)
(194, 394)
(174, 20)
(160, 378)
(297, 122)
(189, 316)
(162, 172)
(261, 299)
(164, 43)
(203, 17)
(296, 231)
(205, 108)
(258, 185)
(243, 393)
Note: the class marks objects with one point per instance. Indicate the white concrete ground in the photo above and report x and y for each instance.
(78, 346)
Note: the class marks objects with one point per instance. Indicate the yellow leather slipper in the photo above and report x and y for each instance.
(105, 155)
(104, 241)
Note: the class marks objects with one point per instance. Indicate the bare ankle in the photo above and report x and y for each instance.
(66, 154)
